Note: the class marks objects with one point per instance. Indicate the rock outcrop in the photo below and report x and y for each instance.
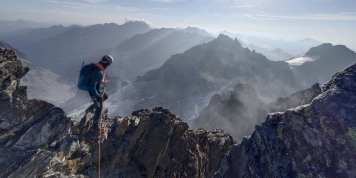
(314, 140)
(150, 143)
(38, 140)
(28, 128)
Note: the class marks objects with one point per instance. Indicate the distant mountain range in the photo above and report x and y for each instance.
(185, 82)
(274, 55)
(144, 52)
(57, 47)
(135, 48)
(10, 27)
(291, 47)
(27, 38)
(321, 62)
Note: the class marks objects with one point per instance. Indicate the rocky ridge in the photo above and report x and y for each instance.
(27, 127)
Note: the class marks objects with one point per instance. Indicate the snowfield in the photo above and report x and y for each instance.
(299, 61)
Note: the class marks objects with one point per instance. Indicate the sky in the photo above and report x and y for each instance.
(325, 20)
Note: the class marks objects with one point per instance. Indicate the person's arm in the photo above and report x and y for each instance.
(95, 79)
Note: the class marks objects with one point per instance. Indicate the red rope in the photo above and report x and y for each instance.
(99, 141)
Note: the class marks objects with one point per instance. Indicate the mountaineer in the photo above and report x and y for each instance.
(92, 78)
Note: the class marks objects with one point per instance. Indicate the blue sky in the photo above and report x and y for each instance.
(325, 20)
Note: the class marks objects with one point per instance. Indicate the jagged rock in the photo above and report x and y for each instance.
(314, 140)
(3, 45)
(155, 143)
(25, 125)
(11, 71)
(296, 99)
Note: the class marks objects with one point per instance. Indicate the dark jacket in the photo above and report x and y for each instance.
(96, 86)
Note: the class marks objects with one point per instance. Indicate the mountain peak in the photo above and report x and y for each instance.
(137, 23)
(196, 30)
(310, 40)
(224, 41)
(328, 49)
(223, 37)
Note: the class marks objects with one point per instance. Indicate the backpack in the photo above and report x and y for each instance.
(85, 76)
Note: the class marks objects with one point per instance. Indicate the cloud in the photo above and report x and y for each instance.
(82, 4)
(166, 1)
(245, 3)
(346, 16)
(321, 1)
(96, 1)
(130, 19)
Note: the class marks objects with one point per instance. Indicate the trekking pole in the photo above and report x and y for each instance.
(99, 142)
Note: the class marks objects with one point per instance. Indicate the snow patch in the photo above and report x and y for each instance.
(79, 113)
(299, 61)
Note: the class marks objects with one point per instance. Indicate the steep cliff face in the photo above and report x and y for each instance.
(314, 140)
(38, 140)
(27, 127)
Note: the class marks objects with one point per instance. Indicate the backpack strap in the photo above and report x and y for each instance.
(101, 67)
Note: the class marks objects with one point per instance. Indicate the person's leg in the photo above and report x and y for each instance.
(97, 111)
(95, 102)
